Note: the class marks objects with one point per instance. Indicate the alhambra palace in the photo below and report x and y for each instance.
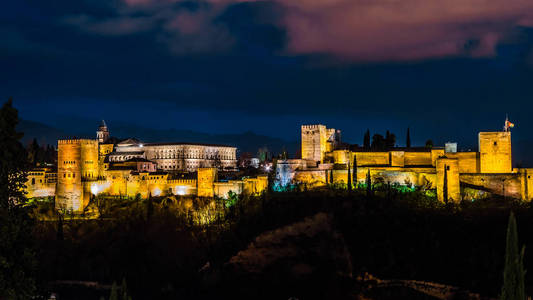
(129, 168)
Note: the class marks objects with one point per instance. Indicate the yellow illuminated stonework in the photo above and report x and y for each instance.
(317, 140)
(488, 170)
(495, 152)
(92, 167)
(206, 179)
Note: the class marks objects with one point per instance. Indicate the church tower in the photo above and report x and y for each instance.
(102, 134)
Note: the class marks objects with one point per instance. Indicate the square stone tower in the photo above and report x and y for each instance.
(495, 152)
(448, 178)
(206, 181)
(77, 161)
(317, 140)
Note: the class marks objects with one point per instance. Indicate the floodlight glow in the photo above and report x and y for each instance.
(94, 189)
(181, 190)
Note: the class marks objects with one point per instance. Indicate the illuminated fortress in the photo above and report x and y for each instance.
(466, 175)
(90, 167)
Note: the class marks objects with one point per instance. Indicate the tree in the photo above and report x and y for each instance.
(354, 173)
(149, 207)
(331, 177)
(390, 140)
(349, 177)
(14, 164)
(429, 144)
(366, 140)
(378, 142)
(445, 185)
(17, 255)
(408, 139)
(513, 274)
(33, 152)
(124, 289)
(368, 184)
(114, 292)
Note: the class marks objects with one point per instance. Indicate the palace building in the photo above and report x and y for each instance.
(90, 167)
(454, 175)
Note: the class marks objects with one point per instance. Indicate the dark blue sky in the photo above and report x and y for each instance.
(446, 70)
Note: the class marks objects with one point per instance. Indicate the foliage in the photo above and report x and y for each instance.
(429, 144)
(349, 184)
(408, 139)
(38, 155)
(390, 140)
(378, 143)
(514, 273)
(17, 255)
(368, 184)
(366, 140)
(445, 185)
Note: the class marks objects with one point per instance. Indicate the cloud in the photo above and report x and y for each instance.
(183, 27)
(401, 29)
(357, 30)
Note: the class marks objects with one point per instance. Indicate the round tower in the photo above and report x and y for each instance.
(102, 134)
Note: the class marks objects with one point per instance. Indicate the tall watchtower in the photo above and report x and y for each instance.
(317, 140)
(495, 152)
(102, 134)
(77, 161)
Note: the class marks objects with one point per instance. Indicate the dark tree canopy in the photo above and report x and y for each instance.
(13, 160)
(390, 140)
(513, 273)
(408, 139)
(17, 257)
(378, 142)
(366, 140)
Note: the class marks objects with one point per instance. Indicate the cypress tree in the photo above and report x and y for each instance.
(331, 177)
(354, 170)
(149, 207)
(124, 289)
(60, 235)
(349, 177)
(445, 186)
(114, 292)
(513, 273)
(368, 184)
(390, 140)
(408, 139)
(366, 141)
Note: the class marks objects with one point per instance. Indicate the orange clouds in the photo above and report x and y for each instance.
(401, 29)
(360, 30)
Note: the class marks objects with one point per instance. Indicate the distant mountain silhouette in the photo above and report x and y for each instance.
(245, 142)
(43, 133)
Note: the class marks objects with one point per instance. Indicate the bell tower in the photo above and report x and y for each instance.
(102, 134)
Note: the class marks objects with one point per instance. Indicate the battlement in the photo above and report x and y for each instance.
(77, 141)
(310, 127)
(182, 181)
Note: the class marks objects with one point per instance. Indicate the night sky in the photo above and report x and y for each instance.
(447, 69)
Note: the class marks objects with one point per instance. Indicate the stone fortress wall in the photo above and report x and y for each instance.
(488, 171)
(84, 170)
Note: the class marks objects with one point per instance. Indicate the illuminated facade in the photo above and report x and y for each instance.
(88, 167)
(455, 175)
